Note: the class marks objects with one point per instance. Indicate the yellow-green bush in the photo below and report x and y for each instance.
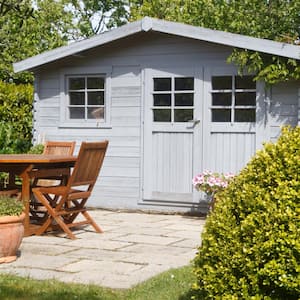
(251, 242)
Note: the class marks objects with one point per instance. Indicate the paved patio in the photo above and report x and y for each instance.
(133, 248)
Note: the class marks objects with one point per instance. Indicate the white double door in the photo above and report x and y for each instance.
(172, 139)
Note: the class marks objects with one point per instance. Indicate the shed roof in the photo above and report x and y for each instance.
(149, 24)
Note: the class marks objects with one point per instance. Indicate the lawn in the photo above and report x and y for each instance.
(173, 284)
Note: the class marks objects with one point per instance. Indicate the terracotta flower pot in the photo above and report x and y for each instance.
(11, 235)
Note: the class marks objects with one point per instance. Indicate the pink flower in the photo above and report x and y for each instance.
(210, 182)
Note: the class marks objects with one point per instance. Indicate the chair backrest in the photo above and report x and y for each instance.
(59, 148)
(89, 162)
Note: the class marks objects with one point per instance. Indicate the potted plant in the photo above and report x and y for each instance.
(11, 227)
(211, 184)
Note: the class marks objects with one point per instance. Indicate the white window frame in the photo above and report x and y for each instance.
(233, 107)
(172, 92)
(65, 121)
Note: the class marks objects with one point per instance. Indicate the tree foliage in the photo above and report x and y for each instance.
(268, 19)
(24, 34)
(30, 27)
(20, 8)
(94, 16)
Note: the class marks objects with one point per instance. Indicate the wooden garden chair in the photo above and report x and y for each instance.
(51, 177)
(59, 148)
(65, 203)
(48, 177)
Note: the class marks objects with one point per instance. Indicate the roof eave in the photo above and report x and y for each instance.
(79, 46)
(228, 39)
(178, 29)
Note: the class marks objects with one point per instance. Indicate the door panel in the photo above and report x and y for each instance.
(172, 137)
(172, 165)
(237, 149)
(231, 119)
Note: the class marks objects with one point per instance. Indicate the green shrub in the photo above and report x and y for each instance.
(10, 206)
(16, 117)
(36, 149)
(251, 242)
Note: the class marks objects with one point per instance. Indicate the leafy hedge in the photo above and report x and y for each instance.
(251, 242)
(15, 117)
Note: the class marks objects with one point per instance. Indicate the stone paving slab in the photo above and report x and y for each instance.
(100, 244)
(40, 261)
(149, 239)
(153, 249)
(133, 248)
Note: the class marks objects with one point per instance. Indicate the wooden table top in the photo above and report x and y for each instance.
(35, 158)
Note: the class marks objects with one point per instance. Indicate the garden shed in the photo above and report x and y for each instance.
(170, 105)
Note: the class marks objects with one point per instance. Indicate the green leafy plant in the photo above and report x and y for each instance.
(36, 149)
(250, 246)
(10, 206)
(16, 117)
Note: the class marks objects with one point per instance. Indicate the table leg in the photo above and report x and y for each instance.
(26, 198)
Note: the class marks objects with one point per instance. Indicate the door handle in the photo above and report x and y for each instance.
(194, 123)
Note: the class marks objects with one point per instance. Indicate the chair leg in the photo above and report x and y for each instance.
(65, 228)
(92, 222)
(49, 203)
(89, 219)
(45, 226)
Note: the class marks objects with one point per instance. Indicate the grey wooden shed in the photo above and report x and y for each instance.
(170, 105)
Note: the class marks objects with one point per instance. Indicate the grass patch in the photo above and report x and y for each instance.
(170, 285)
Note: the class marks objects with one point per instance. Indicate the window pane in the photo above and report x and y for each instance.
(184, 99)
(245, 99)
(223, 99)
(162, 84)
(95, 98)
(221, 115)
(244, 115)
(76, 112)
(184, 84)
(161, 115)
(183, 115)
(96, 113)
(76, 83)
(221, 82)
(95, 83)
(162, 99)
(76, 98)
(245, 82)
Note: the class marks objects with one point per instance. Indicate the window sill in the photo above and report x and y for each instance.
(85, 125)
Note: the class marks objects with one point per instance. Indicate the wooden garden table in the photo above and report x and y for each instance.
(22, 165)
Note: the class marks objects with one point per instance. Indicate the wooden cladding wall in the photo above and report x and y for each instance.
(229, 152)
